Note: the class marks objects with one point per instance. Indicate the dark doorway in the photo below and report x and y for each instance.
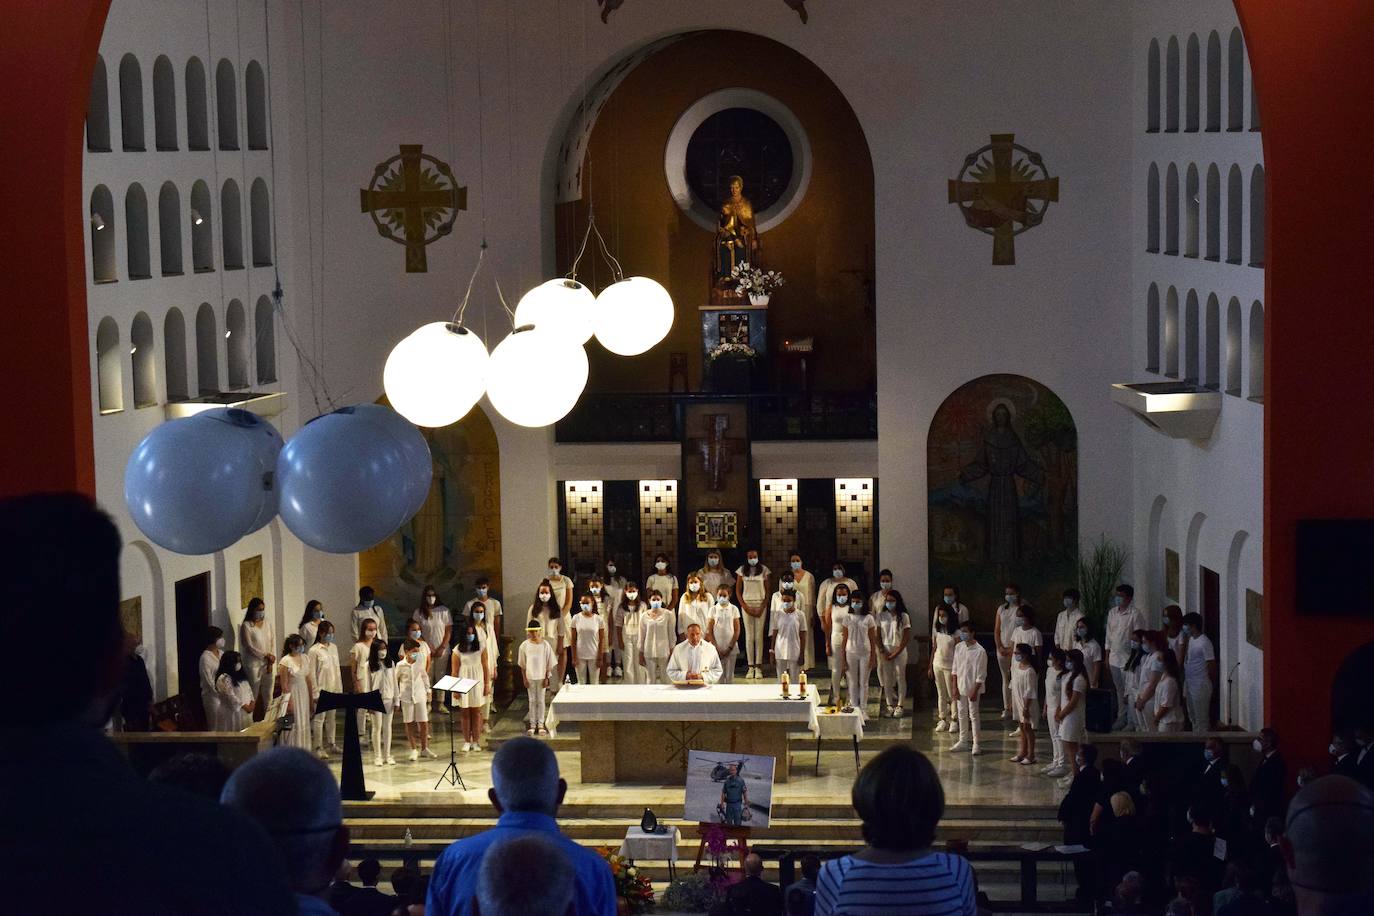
(192, 620)
(1209, 594)
(620, 507)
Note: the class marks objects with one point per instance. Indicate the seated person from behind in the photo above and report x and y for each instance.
(754, 896)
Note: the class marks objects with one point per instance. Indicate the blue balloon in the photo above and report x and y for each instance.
(198, 484)
(417, 450)
(346, 481)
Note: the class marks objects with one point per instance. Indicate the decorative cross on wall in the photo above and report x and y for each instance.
(413, 200)
(1003, 192)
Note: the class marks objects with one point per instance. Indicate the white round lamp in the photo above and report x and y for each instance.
(535, 377)
(436, 375)
(633, 315)
(561, 306)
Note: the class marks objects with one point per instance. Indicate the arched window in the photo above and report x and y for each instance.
(231, 225)
(236, 340)
(1171, 86)
(109, 367)
(202, 229)
(1190, 337)
(1152, 91)
(141, 353)
(131, 104)
(1171, 210)
(260, 209)
(169, 229)
(1193, 79)
(197, 119)
(255, 89)
(207, 350)
(1171, 333)
(265, 333)
(1213, 82)
(174, 346)
(1152, 209)
(98, 110)
(164, 104)
(227, 103)
(1235, 82)
(102, 236)
(1234, 346)
(1257, 217)
(1211, 370)
(1191, 193)
(1213, 213)
(1235, 201)
(1256, 348)
(136, 227)
(1152, 329)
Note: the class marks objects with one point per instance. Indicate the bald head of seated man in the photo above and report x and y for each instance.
(1328, 846)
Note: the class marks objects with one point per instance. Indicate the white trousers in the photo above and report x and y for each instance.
(634, 674)
(1198, 699)
(727, 665)
(1123, 705)
(809, 640)
(1056, 745)
(968, 719)
(588, 671)
(536, 694)
(755, 639)
(1004, 663)
(656, 670)
(1170, 727)
(792, 668)
(322, 731)
(381, 735)
(892, 678)
(856, 682)
(945, 706)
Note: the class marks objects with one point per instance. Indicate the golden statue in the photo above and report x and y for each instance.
(737, 241)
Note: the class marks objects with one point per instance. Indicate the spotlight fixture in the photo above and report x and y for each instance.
(196, 218)
(96, 222)
(227, 332)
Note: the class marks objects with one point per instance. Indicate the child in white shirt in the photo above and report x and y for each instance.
(786, 630)
(537, 664)
(412, 690)
(1024, 693)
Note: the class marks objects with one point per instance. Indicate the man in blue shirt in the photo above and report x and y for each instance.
(526, 792)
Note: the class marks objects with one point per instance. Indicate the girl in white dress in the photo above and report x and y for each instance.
(1168, 714)
(629, 612)
(382, 670)
(1024, 633)
(1134, 671)
(1054, 681)
(693, 607)
(722, 631)
(298, 688)
(589, 641)
(322, 661)
(412, 689)
(656, 639)
(361, 670)
(615, 583)
(470, 661)
(1073, 700)
(606, 611)
(663, 580)
(1155, 645)
(1025, 693)
(310, 621)
(233, 707)
(943, 638)
(209, 672)
(436, 626)
(485, 621)
(859, 649)
(257, 642)
(834, 612)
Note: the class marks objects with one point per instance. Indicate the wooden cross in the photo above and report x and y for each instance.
(1001, 196)
(413, 201)
(351, 785)
(717, 451)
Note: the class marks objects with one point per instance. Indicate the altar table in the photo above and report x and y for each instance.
(642, 732)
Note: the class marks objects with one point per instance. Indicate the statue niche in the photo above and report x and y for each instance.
(737, 242)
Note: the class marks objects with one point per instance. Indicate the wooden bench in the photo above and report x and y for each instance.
(146, 750)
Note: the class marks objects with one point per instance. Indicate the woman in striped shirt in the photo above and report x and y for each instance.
(899, 799)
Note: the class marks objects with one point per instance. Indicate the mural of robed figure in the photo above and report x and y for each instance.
(1001, 460)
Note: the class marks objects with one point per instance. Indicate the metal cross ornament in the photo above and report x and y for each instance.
(414, 199)
(1003, 190)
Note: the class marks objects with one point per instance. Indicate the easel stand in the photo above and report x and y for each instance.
(739, 834)
(451, 685)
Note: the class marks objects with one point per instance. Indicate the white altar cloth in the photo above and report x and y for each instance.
(666, 703)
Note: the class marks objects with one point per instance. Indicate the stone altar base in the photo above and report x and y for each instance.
(656, 752)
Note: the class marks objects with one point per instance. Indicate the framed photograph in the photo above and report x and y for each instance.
(1171, 588)
(717, 529)
(731, 789)
(734, 327)
(131, 616)
(1254, 618)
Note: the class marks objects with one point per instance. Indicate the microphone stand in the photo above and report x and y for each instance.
(1231, 695)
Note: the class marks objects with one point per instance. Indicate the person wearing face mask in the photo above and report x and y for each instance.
(589, 641)
(1067, 621)
(786, 632)
(360, 671)
(1026, 632)
(693, 607)
(436, 628)
(714, 573)
(787, 589)
(1073, 701)
(602, 605)
(832, 621)
(656, 639)
(969, 678)
(1168, 695)
(1084, 642)
(894, 633)
(1171, 624)
(322, 661)
(608, 605)
(944, 638)
(412, 692)
(1004, 622)
(825, 594)
(484, 595)
(382, 671)
(1269, 781)
(722, 631)
(663, 581)
(537, 665)
(751, 591)
(1153, 644)
(1123, 618)
(550, 616)
(562, 585)
(1053, 693)
(875, 600)
(804, 587)
(256, 642)
(1134, 671)
(298, 687)
(859, 649)
(367, 609)
(627, 613)
(480, 617)
(1025, 692)
(614, 581)
(310, 621)
(1198, 658)
(233, 707)
(209, 669)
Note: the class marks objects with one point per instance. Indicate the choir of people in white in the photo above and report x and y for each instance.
(613, 629)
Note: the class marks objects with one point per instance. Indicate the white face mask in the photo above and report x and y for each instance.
(713, 561)
(554, 571)
(632, 596)
(482, 591)
(890, 605)
(841, 599)
(595, 589)
(219, 643)
(655, 603)
(415, 635)
(660, 566)
(722, 599)
(753, 561)
(837, 573)
(693, 586)
(611, 570)
(796, 564)
(787, 605)
(885, 585)
(586, 608)
(431, 599)
(1258, 746)
(545, 596)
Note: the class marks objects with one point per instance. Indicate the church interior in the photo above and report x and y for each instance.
(1046, 301)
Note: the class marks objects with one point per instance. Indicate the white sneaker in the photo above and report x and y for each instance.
(529, 731)
(977, 750)
(897, 712)
(376, 761)
(942, 726)
(619, 671)
(414, 755)
(958, 745)
(391, 761)
(1014, 733)
(428, 752)
(466, 747)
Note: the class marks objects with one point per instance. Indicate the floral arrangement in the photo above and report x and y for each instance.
(752, 281)
(733, 350)
(631, 885)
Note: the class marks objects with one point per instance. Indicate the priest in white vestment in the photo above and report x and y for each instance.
(694, 659)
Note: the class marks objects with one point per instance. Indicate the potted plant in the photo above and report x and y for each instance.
(755, 283)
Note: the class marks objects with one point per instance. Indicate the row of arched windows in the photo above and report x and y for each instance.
(1190, 92)
(166, 124)
(1203, 209)
(241, 344)
(1190, 345)
(170, 241)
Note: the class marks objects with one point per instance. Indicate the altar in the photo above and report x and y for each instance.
(642, 732)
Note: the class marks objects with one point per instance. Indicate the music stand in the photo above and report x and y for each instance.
(461, 686)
